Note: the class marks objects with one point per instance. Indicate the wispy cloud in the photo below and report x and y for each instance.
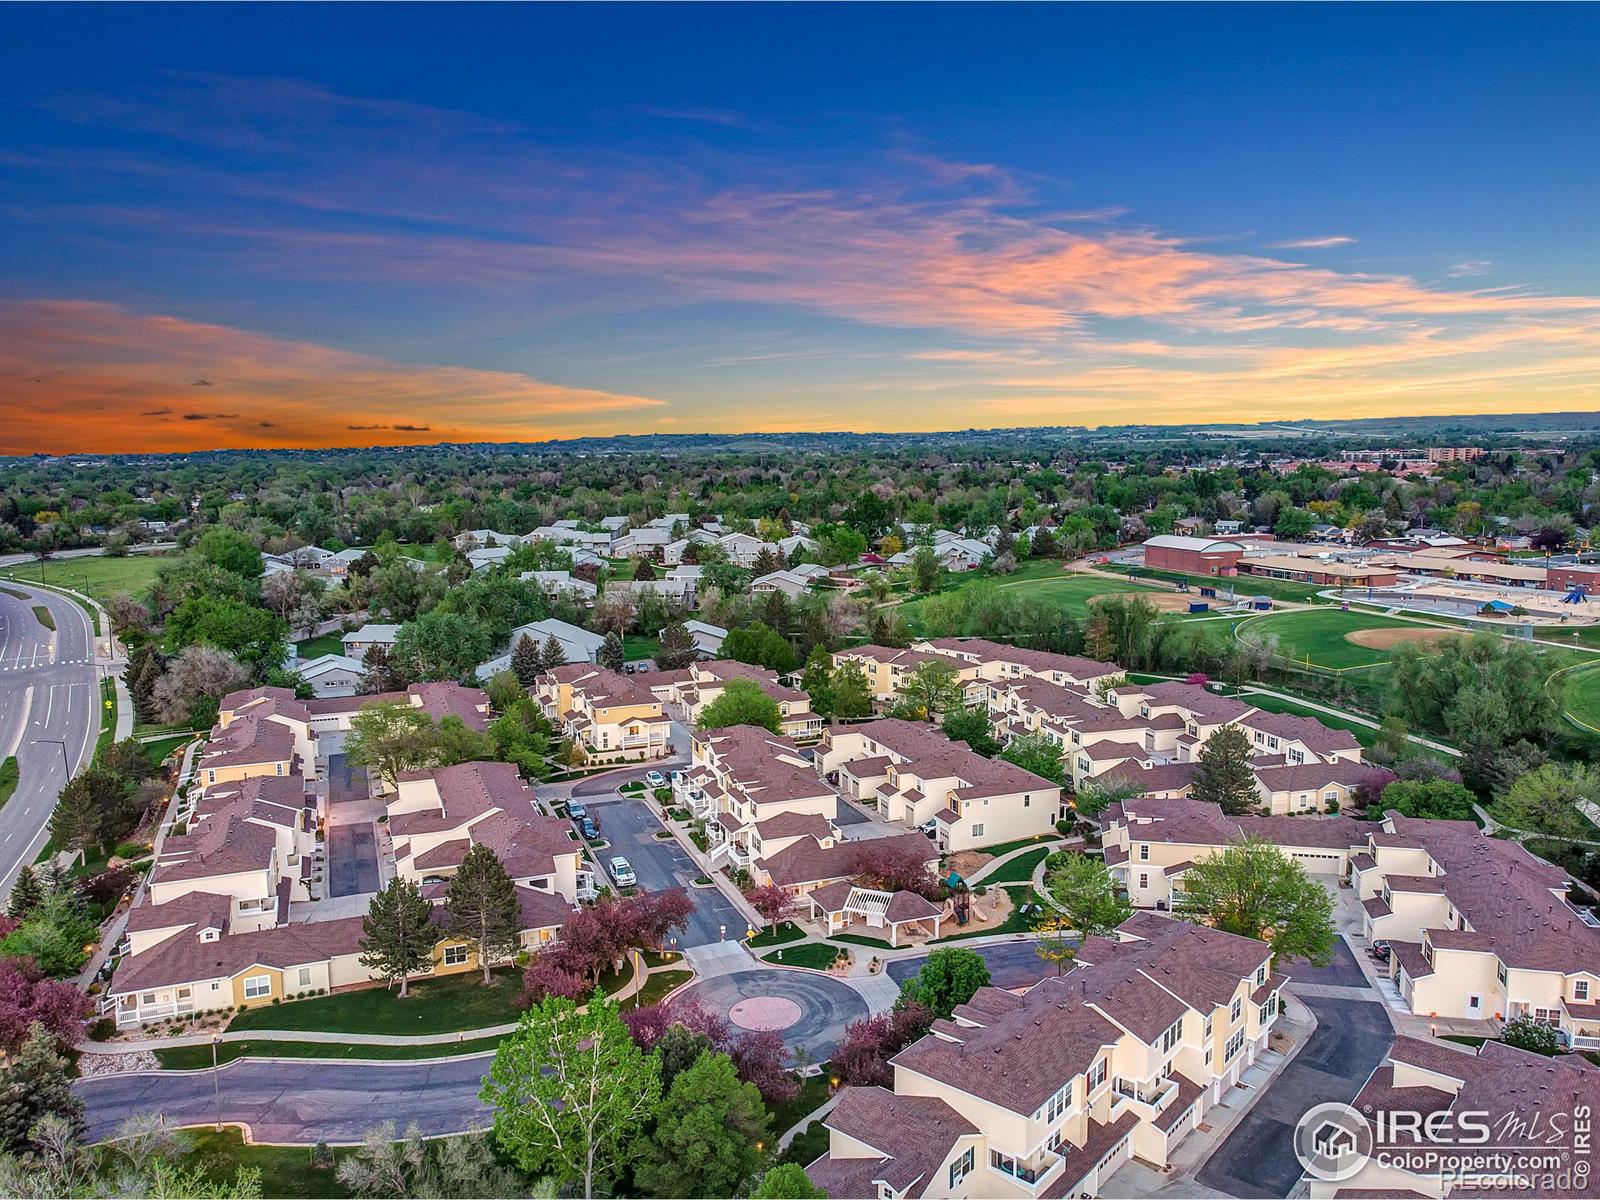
(1314, 243)
(1468, 267)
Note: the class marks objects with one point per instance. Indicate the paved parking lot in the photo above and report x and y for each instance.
(630, 827)
(1011, 965)
(346, 783)
(352, 859)
(1343, 971)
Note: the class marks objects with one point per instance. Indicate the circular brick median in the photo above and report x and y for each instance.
(764, 1013)
(814, 1008)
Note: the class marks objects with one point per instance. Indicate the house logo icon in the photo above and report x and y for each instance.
(1333, 1142)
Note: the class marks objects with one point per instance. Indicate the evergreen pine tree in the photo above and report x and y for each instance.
(26, 892)
(482, 907)
(75, 822)
(37, 1084)
(677, 648)
(1223, 775)
(143, 687)
(554, 654)
(612, 656)
(399, 936)
(526, 662)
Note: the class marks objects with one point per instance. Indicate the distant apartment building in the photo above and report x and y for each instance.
(612, 717)
(1445, 454)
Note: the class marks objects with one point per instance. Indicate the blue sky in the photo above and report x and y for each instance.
(305, 225)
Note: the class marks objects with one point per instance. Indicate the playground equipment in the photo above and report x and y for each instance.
(1577, 595)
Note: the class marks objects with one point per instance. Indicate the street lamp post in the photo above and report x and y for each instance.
(216, 1081)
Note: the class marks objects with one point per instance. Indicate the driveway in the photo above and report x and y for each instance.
(298, 1102)
(1011, 965)
(346, 783)
(659, 864)
(1257, 1159)
(352, 859)
(1343, 971)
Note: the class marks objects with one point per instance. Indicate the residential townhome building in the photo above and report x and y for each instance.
(1048, 1093)
(556, 584)
(475, 539)
(793, 582)
(333, 715)
(1537, 1111)
(757, 792)
(578, 645)
(1150, 844)
(1478, 927)
(612, 717)
(916, 776)
(372, 635)
(436, 816)
(887, 668)
(259, 731)
(485, 557)
(332, 674)
(702, 683)
(996, 660)
(800, 865)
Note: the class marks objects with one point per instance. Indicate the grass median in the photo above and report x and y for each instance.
(198, 1058)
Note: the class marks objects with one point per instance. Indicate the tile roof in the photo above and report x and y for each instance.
(913, 1135)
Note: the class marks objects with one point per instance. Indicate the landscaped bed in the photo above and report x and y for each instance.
(1018, 869)
(816, 955)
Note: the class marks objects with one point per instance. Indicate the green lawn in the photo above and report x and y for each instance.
(1043, 580)
(812, 1096)
(156, 752)
(1320, 636)
(286, 1171)
(198, 1058)
(8, 779)
(656, 985)
(636, 646)
(1240, 585)
(99, 577)
(816, 955)
(1018, 869)
(434, 1006)
(327, 643)
(44, 616)
(1581, 695)
(788, 931)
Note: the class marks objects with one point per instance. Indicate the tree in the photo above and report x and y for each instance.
(852, 698)
(775, 904)
(742, 702)
(53, 934)
(1536, 1037)
(554, 653)
(1545, 801)
(677, 648)
(232, 551)
(705, 1141)
(787, 1181)
(399, 932)
(1085, 892)
(925, 569)
(762, 1059)
(1223, 775)
(1092, 798)
(28, 1000)
(525, 661)
(36, 1084)
(482, 909)
(866, 1046)
(678, 1049)
(1432, 799)
(455, 743)
(949, 978)
(193, 682)
(569, 1089)
(971, 725)
(895, 865)
(252, 635)
(387, 1166)
(931, 690)
(391, 739)
(612, 656)
(1038, 755)
(1256, 890)
(442, 645)
(1056, 943)
(26, 892)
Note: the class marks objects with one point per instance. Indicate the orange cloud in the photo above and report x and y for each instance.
(84, 376)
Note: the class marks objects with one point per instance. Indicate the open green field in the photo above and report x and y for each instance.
(327, 643)
(1320, 636)
(99, 577)
(1581, 695)
(636, 646)
(1043, 579)
(1242, 585)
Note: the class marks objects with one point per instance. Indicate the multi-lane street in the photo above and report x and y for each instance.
(49, 711)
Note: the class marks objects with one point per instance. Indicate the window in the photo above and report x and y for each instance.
(1171, 1037)
(1296, 758)
(454, 956)
(1025, 800)
(1235, 1044)
(1097, 1074)
(1233, 1013)
(1330, 796)
(1266, 1012)
(257, 986)
(1580, 989)
(961, 1168)
(1261, 974)
(148, 998)
(1058, 1103)
(1208, 1031)
(977, 830)
(1144, 879)
(1272, 743)
(305, 977)
(1144, 851)
(1500, 972)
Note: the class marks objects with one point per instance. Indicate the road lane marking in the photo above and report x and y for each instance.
(22, 727)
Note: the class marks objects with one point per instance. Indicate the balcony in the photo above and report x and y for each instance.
(1034, 1179)
(1580, 1041)
(1147, 1099)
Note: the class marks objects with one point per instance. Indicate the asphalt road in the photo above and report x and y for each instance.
(1257, 1159)
(826, 1004)
(297, 1102)
(49, 694)
(659, 864)
(1011, 965)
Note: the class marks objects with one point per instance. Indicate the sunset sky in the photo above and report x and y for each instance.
(307, 226)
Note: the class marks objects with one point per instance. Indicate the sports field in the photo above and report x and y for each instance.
(98, 576)
(1581, 696)
(1042, 580)
(1336, 639)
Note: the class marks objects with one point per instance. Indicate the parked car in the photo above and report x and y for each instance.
(655, 779)
(588, 829)
(930, 827)
(576, 811)
(622, 872)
